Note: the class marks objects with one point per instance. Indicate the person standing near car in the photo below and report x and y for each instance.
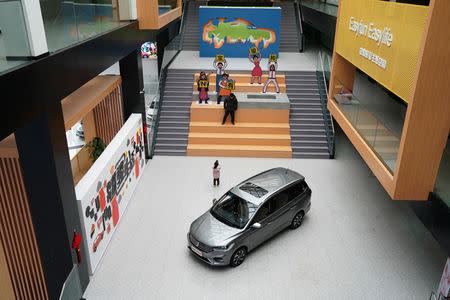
(230, 105)
(216, 173)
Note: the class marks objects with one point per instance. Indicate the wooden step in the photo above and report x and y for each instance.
(214, 113)
(239, 127)
(245, 87)
(239, 151)
(244, 77)
(239, 139)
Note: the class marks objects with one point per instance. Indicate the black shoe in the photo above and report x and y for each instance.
(232, 123)
(223, 123)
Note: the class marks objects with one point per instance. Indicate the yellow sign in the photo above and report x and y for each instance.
(253, 51)
(203, 84)
(382, 39)
(220, 57)
(230, 85)
(272, 58)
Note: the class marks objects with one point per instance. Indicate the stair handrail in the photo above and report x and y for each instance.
(184, 10)
(298, 15)
(158, 104)
(324, 100)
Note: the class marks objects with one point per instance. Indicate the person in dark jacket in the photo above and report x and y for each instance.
(230, 104)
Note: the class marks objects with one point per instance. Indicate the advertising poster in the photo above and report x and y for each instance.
(382, 39)
(232, 31)
(105, 191)
(149, 50)
(444, 284)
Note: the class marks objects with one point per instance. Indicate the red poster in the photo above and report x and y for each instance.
(115, 211)
(136, 166)
(102, 199)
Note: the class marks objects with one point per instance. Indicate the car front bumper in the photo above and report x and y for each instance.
(213, 258)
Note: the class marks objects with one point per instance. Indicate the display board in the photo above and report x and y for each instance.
(382, 39)
(232, 31)
(105, 191)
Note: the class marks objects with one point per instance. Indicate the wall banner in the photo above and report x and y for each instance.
(382, 39)
(104, 192)
(232, 31)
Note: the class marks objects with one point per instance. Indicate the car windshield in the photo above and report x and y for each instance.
(233, 210)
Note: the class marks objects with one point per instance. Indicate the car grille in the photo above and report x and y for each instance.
(200, 245)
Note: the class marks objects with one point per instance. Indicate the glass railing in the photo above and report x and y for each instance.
(323, 75)
(170, 52)
(300, 35)
(14, 46)
(375, 133)
(165, 6)
(328, 7)
(69, 22)
(442, 185)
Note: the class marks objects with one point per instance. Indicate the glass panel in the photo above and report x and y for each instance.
(442, 185)
(68, 22)
(384, 143)
(14, 47)
(166, 5)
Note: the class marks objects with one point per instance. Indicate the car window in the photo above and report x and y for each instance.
(262, 213)
(233, 210)
(296, 190)
(279, 200)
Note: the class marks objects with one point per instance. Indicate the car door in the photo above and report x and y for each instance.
(280, 209)
(258, 235)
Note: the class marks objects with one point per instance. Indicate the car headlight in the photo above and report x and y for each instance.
(223, 248)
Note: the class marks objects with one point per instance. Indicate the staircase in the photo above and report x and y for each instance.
(308, 135)
(191, 31)
(288, 28)
(174, 117)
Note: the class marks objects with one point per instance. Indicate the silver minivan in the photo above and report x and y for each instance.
(249, 214)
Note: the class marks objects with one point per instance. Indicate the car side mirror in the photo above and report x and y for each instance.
(256, 225)
(214, 201)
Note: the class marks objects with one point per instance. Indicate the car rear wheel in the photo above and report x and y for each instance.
(297, 220)
(238, 257)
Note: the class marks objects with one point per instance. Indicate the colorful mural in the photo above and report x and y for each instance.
(232, 31)
(104, 192)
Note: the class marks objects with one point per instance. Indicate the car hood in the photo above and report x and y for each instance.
(211, 231)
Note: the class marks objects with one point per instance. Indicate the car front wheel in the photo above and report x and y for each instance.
(297, 220)
(238, 257)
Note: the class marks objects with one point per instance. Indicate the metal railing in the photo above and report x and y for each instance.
(300, 35)
(184, 10)
(322, 81)
(170, 53)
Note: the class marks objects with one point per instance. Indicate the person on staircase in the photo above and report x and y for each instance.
(272, 76)
(224, 91)
(202, 86)
(220, 70)
(230, 105)
(257, 72)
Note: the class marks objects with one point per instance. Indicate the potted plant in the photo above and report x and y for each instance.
(95, 148)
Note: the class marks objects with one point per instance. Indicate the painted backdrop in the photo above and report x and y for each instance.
(232, 31)
(104, 192)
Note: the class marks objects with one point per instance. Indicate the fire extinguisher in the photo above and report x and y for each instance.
(76, 244)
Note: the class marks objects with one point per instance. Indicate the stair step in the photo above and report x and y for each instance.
(309, 155)
(240, 127)
(239, 139)
(239, 150)
(172, 152)
(175, 135)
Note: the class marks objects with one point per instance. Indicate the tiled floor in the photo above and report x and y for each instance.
(355, 242)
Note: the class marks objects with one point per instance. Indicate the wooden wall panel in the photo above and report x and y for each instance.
(427, 122)
(108, 115)
(6, 287)
(17, 234)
